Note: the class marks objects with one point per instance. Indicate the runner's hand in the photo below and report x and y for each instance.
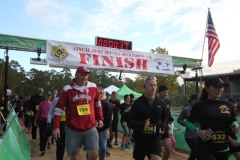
(107, 132)
(99, 124)
(147, 122)
(56, 133)
(204, 135)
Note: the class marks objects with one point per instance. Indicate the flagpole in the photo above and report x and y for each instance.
(204, 40)
(202, 54)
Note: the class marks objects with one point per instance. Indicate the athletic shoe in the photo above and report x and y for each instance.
(42, 153)
(110, 145)
(48, 146)
(123, 147)
(116, 142)
(107, 153)
(127, 146)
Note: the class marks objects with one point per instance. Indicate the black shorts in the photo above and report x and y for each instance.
(115, 124)
(143, 149)
(165, 135)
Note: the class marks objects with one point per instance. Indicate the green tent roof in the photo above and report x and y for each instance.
(125, 90)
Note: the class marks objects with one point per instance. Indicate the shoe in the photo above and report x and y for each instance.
(53, 140)
(42, 153)
(127, 146)
(48, 146)
(110, 145)
(116, 142)
(107, 153)
(123, 148)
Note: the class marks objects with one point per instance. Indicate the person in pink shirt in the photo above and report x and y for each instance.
(41, 121)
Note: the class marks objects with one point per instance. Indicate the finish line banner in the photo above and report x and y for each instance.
(71, 55)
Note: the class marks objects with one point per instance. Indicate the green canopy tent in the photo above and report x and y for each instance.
(125, 90)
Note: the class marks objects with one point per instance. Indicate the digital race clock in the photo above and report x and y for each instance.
(113, 43)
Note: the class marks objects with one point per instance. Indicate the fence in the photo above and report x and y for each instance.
(14, 143)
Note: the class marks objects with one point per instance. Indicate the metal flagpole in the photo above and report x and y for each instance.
(204, 40)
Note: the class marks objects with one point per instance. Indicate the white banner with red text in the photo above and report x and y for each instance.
(71, 55)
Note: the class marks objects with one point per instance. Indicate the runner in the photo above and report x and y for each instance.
(215, 117)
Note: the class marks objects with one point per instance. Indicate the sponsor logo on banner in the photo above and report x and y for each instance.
(59, 53)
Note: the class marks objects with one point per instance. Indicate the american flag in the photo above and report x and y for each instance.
(213, 41)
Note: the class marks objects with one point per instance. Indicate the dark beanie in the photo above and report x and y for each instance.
(162, 87)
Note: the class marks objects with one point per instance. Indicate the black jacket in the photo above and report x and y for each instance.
(107, 115)
(142, 110)
(34, 101)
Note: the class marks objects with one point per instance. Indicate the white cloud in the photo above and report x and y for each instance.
(177, 25)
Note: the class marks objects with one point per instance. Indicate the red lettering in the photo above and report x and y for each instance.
(95, 60)
(84, 58)
(129, 62)
(113, 61)
(106, 59)
(119, 62)
(141, 64)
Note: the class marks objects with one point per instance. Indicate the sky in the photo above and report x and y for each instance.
(177, 25)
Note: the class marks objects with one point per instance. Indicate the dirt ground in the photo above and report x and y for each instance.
(116, 153)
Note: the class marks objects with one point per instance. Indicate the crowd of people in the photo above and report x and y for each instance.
(84, 116)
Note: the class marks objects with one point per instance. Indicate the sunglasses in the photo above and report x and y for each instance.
(149, 79)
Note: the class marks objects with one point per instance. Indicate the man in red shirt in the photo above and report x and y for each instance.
(83, 112)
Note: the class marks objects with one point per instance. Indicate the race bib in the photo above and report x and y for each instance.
(150, 129)
(83, 109)
(219, 137)
(63, 118)
(37, 107)
(124, 123)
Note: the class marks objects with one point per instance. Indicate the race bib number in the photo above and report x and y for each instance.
(83, 109)
(37, 107)
(124, 123)
(150, 129)
(63, 118)
(219, 137)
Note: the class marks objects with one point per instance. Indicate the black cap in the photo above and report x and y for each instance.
(215, 82)
(162, 87)
(107, 93)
